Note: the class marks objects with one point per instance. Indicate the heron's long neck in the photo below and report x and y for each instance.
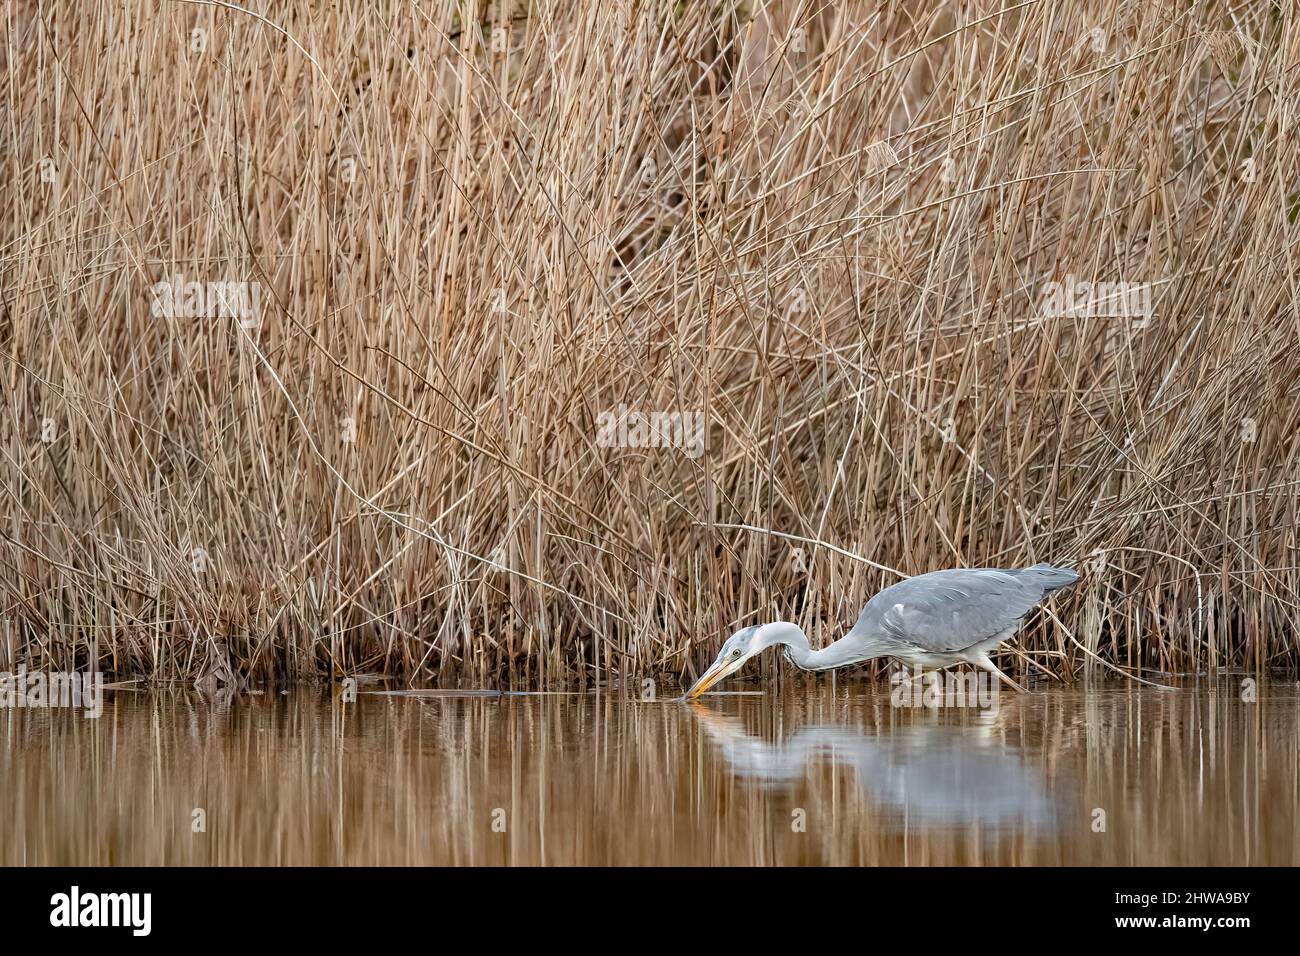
(847, 650)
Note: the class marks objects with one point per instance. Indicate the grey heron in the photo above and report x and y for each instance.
(932, 620)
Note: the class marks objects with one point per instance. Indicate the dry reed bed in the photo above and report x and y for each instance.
(826, 230)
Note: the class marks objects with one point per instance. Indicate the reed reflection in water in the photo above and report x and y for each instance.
(1196, 776)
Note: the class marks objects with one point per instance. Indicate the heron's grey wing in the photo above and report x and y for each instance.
(949, 611)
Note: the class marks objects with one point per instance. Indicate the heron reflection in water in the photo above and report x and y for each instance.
(933, 775)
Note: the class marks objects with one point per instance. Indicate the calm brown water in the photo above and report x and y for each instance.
(831, 776)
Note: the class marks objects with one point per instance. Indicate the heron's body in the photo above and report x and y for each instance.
(932, 620)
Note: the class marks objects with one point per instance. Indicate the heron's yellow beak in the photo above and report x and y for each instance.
(715, 673)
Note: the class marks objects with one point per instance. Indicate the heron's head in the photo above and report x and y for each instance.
(736, 650)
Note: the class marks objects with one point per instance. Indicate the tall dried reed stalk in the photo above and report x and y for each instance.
(938, 283)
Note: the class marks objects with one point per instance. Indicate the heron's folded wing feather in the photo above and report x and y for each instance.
(949, 611)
